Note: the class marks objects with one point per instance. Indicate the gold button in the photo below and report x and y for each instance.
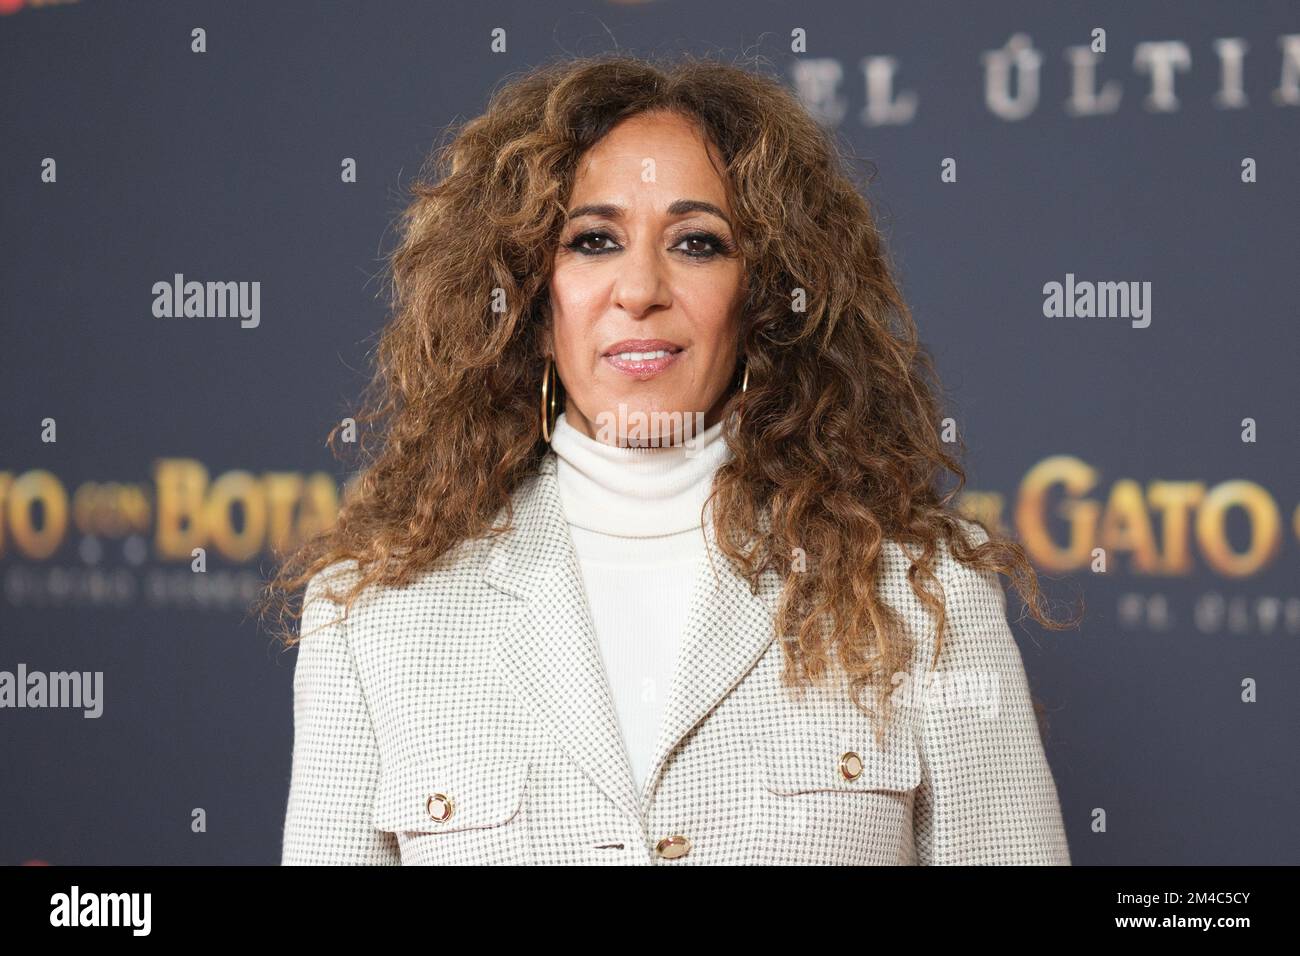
(673, 847)
(851, 766)
(440, 807)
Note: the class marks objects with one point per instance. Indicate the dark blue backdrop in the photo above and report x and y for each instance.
(225, 165)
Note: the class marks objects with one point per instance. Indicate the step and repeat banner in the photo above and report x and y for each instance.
(1094, 215)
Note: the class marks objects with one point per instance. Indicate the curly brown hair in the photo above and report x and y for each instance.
(835, 443)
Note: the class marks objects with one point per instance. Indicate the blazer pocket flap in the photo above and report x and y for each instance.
(452, 795)
(845, 758)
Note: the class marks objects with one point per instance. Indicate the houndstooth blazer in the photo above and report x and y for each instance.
(467, 719)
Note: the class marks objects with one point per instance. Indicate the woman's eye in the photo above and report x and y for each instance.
(702, 245)
(580, 243)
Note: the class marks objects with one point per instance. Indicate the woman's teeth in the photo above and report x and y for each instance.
(641, 356)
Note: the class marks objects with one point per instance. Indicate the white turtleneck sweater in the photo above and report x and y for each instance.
(635, 518)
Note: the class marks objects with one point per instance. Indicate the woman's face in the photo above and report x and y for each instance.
(646, 266)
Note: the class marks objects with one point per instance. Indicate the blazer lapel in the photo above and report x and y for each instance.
(549, 652)
(728, 628)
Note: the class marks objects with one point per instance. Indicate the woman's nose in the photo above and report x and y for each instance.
(640, 284)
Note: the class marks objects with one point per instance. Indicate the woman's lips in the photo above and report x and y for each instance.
(643, 368)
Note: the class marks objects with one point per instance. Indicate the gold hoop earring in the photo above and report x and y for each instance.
(548, 391)
(745, 384)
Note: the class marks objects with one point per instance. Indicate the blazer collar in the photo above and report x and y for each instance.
(547, 648)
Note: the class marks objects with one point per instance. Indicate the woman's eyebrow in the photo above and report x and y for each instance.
(679, 208)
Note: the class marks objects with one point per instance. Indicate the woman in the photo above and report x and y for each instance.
(650, 399)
